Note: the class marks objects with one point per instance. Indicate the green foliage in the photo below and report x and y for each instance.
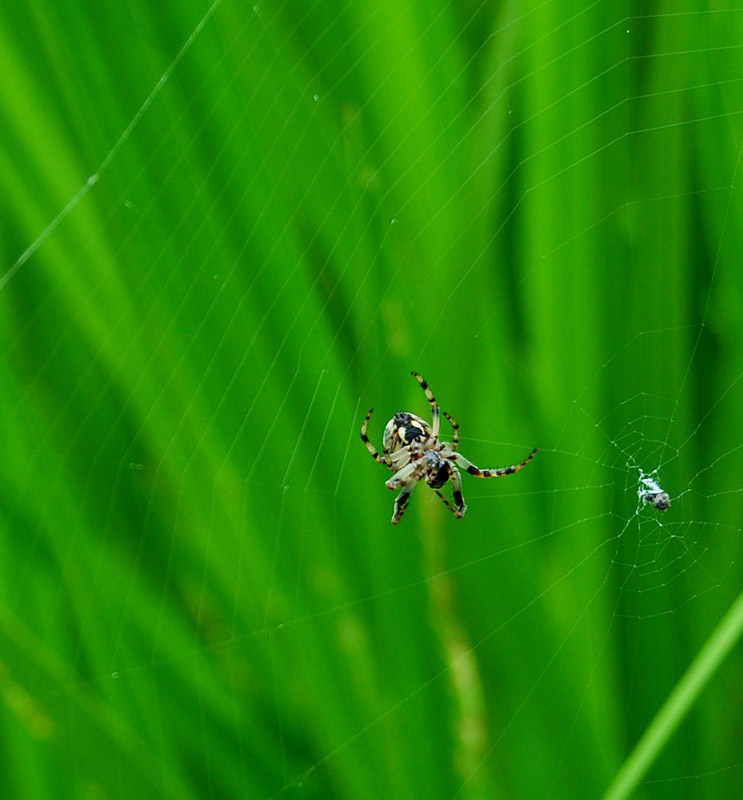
(228, 231)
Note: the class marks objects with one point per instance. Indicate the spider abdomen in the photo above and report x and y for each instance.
(404, 429)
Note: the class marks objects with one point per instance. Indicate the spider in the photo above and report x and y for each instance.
(652, 492)
(412, 450)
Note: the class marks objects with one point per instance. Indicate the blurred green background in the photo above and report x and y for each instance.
(228, 231)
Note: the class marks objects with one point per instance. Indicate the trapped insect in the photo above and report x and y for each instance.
(412, 450)
(653, 493)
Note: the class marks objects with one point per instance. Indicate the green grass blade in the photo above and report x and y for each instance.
(681, 699)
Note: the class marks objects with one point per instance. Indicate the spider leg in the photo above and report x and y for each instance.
(432, 401)
(407, 478)
(456, 485)
(365, 439)
(447, 503)
(401, 501)
(404, 475)
(455, 428)
(469, 467)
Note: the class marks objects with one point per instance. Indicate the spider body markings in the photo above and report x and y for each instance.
(412, 450)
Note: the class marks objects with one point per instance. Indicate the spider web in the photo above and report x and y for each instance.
(237, 242)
